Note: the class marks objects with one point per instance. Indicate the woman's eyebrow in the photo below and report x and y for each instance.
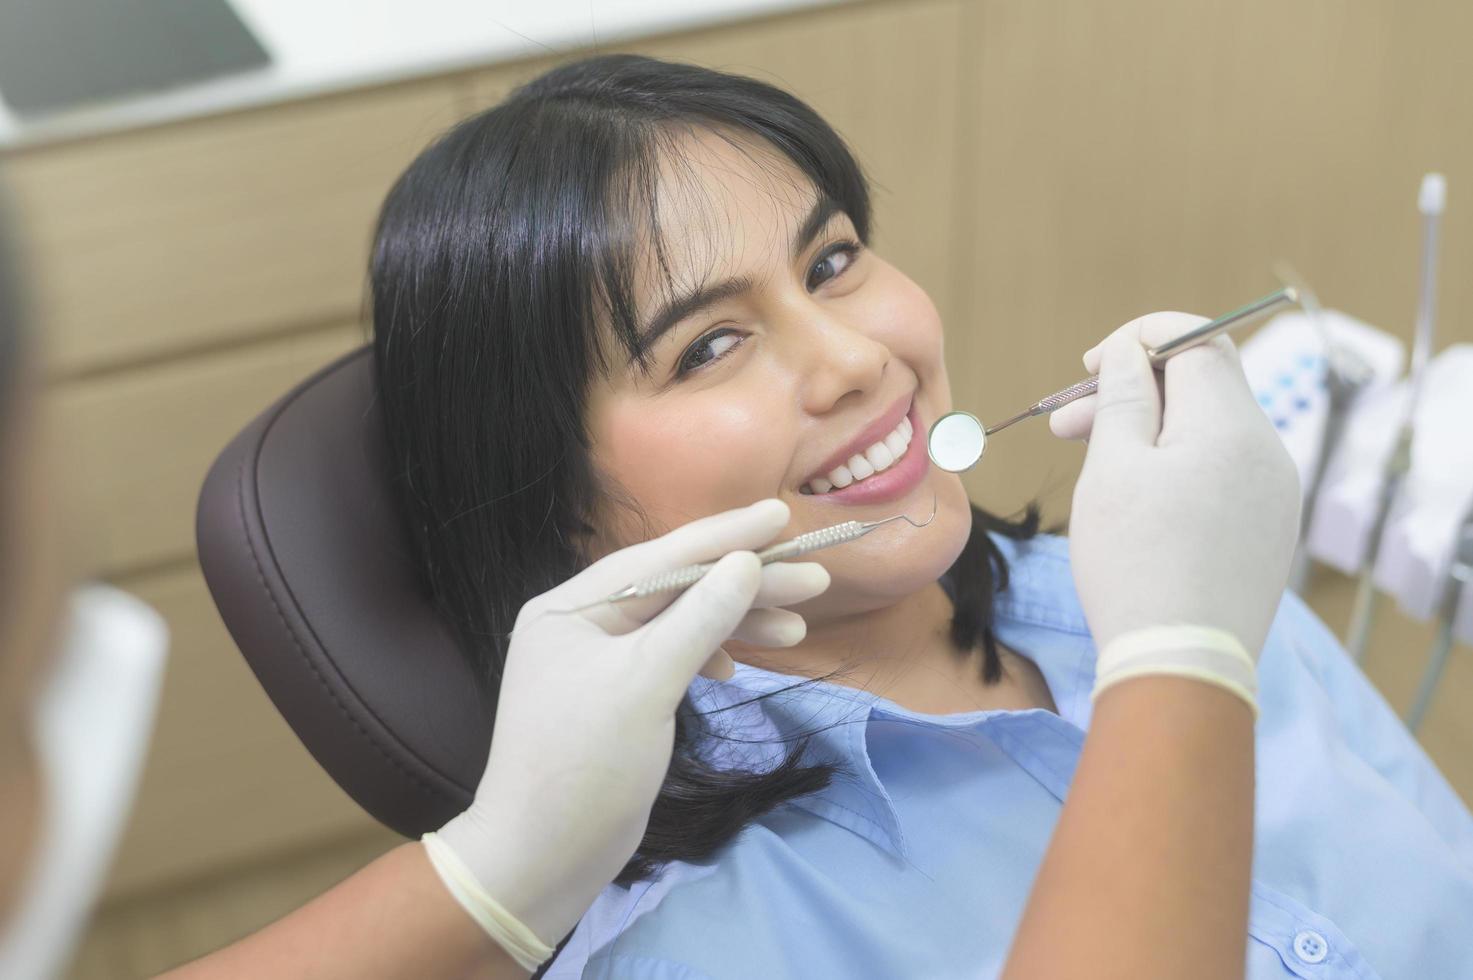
(818, 217)
(693, 301)
(688, 304)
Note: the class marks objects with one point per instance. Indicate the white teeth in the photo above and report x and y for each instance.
(881, 456)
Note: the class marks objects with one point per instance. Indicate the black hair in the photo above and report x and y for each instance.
(496, 254)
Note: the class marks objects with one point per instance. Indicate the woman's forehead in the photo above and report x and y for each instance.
(724, 204)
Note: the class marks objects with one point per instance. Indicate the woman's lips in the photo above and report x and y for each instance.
(903, 476)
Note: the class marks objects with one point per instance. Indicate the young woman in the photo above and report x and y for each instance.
(637, 293)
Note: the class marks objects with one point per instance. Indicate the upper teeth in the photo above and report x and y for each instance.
(881, 456)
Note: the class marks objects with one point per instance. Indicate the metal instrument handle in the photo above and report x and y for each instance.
(1160, 355)
(684, 578)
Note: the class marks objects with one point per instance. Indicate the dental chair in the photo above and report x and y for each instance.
(307, 557)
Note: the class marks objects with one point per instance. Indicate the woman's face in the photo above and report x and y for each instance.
(805, 351)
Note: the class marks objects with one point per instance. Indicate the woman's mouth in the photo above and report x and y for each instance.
(886, 470)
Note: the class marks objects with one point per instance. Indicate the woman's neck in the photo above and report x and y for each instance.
(903, 652)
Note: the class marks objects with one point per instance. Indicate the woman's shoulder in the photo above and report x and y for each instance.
(749, 913)
(696, 930)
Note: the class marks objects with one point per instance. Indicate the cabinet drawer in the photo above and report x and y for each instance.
(183, 236)
(136, 444)
(226, 780)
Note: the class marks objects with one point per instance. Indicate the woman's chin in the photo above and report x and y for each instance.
(889, 564)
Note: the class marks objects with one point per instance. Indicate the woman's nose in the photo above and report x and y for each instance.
(838, 358)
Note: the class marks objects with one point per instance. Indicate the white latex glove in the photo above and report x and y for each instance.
(585, 718)
(1185, 513)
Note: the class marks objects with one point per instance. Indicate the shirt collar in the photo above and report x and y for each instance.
(757, 734)
(1038, 613)
(1040, 588)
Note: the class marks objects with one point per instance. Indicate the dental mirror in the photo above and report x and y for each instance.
(956, 441)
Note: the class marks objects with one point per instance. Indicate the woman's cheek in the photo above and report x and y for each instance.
(695, 457)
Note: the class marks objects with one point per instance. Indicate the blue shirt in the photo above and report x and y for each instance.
(919, 863)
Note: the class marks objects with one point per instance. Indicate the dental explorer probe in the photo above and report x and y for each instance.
(957, 440)
(1431, 200)
(825, 537)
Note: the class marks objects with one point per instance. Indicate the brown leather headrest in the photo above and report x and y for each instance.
(305, 552)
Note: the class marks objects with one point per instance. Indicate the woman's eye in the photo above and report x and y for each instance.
(832, 264)
(717, 344)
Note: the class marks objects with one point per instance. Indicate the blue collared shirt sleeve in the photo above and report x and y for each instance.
(1372, 730)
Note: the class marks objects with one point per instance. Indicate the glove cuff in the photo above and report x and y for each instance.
(505, 929)
(1199, 652)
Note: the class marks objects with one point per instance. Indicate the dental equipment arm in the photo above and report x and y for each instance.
(1459, 577)
(1431, 200)
(1347, 372)
(1187, 515)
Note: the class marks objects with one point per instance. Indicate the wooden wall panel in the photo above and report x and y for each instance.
(148, 934)
(1127, 157)
(181, 237)
(138, 443)
(226, 779)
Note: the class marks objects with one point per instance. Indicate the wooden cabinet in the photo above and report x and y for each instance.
(166, 241)
(226, 779)
(139, 442)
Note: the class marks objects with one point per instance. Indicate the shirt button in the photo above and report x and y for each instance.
(1310, 946)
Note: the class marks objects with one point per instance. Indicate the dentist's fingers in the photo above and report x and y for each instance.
(1076, 419)
(787, 583)
(1073, 421)
(771, 628)
(1203, 387)
(674, 646)
(783, 584)
(719, 667)
(1128, 404)
(1206, 390)
(706, 539)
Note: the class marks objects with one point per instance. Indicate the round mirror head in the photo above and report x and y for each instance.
(956, 441)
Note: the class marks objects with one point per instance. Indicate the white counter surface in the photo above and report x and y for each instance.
(319, 46)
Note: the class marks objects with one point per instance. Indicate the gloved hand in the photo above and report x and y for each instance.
(1187, 512)
(585, 718)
